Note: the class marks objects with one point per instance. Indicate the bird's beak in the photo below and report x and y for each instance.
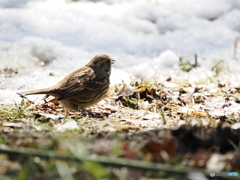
(112, 61)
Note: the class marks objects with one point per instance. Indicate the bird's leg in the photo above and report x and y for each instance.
(83, 112)
(45, 97)
(68, 112)
(87, 111)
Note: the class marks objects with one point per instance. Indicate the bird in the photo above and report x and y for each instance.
(83, 87)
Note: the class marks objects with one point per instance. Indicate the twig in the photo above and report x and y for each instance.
(236, 40)
(24, 97)
(196, 61)
(116, 162)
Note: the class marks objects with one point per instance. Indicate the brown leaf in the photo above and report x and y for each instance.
(234, 162)
(160, 150)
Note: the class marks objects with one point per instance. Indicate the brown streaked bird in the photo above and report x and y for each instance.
(82, 88)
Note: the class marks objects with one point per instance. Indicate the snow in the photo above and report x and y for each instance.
(69, 125)
(45, 40)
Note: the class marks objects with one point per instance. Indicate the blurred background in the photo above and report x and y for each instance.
(42, 41)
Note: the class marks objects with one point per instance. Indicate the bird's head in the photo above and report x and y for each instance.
(103, 62)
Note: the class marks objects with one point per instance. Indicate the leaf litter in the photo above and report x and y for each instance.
(173, 123)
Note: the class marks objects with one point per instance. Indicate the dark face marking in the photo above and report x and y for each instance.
(102, 62)
(106, 65)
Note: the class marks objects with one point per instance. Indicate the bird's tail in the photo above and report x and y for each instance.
(36, 91)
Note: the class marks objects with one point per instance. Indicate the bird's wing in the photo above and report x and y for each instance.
(82, 81)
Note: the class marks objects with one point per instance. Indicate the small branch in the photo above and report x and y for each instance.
(196, 61)
(236, 40)
(24, 97)
(116, 162)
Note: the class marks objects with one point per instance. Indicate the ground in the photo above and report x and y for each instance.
(161, 130)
